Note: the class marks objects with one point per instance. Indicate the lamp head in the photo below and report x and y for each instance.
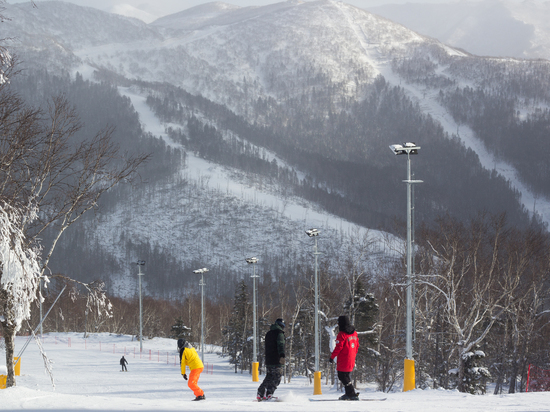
(140, 262)
(203, 270)
(252, 260)
(312, 232)
(405, 148)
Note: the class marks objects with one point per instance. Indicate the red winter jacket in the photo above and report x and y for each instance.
(346, 349)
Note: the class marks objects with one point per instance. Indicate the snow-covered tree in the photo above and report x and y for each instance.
(179, 330)
(19, 277)
(474, 378)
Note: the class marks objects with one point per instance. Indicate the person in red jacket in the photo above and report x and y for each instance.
(347, 345)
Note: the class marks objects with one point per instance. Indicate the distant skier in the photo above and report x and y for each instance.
(123, 363)
(347, 345)
(274, 360)
(189, 357)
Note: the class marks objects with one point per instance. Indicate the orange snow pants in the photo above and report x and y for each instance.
(193, 381)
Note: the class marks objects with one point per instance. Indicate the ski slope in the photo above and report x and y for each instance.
(87, 377)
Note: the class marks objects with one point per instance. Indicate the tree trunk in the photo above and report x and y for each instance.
(9, 339)
(461, 366)
(515, 361)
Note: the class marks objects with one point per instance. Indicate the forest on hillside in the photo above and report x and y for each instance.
(349, 168)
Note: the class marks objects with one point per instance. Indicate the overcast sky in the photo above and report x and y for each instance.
(164, 7)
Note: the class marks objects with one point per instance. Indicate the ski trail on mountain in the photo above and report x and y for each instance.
(427, 99)
(359, 32)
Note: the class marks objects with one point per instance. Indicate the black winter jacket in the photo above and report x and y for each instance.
(274, 346)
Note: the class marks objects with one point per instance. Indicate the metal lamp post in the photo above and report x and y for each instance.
(140, 263)
(255, 364)
(202, 272)
(317, 374)
(408, 149)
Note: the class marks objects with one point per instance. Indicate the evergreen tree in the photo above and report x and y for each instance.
(475, 376)
(363, 312)
(179, 330)
(236, 333)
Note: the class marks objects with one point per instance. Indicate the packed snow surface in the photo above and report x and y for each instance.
(87, 377)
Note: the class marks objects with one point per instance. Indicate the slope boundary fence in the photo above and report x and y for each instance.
(538, 379)
(170, 358)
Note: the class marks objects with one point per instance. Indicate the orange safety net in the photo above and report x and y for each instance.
(538, 379)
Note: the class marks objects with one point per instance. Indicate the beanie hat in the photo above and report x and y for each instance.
(343, 321)
(280, 322)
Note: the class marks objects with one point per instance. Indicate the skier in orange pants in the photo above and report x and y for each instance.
(190, 358)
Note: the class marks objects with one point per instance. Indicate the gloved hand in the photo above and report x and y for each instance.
(185, 376)
(330, 360)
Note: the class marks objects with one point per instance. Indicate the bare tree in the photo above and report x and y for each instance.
(461, 264)
(48, 180)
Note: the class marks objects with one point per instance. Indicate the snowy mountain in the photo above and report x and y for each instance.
(487, 28)
(282, 115)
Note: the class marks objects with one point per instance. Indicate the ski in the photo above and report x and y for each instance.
(340, 400)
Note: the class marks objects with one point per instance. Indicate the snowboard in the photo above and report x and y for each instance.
(339, 400)
(272, 399)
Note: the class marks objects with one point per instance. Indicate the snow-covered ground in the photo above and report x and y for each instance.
(87, 377)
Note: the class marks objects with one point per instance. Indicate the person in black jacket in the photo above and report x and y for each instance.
(123, 363)
(274, 360)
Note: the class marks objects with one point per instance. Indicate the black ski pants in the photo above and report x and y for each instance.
(345, 378)
(271, 381)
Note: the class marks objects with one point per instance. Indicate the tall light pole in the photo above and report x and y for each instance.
(140, 263)
(408, 149)
(202, 272)
(317, 374)
(255, 364)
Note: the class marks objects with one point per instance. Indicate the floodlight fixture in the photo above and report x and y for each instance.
(252, 260)
(140, 262)
(408, 148)
(312, 232)
(200, 271)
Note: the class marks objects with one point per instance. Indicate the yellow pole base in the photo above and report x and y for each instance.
(409, 382)
(255, 374)
(3, 379)
(17, 365)
(317, 383)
